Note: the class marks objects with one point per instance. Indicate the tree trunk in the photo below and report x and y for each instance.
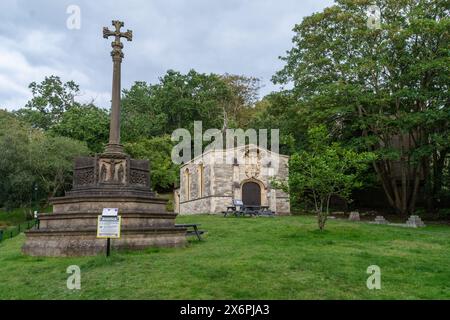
(321, 215)
(401, 193)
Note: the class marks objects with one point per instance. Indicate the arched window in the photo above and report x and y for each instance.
(201, 180)
(187, 185)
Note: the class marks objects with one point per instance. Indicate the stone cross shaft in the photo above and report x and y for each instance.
(114, 145)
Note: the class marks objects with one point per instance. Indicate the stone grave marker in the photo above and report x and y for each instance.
(380, 220)
(415, 221)
(354, 216)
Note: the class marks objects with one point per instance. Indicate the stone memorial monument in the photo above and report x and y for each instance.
(380, 220)
(415, 221)
(108, 180)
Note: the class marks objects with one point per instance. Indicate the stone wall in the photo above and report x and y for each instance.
(202, 205)
(283, 206)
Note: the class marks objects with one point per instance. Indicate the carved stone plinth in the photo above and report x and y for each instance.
(113, 171)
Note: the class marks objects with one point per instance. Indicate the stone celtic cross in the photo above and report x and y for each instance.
(114, 145)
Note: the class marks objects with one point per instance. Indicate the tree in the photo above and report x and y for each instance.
(52, 162)
(141, 117)
(385, 90)
(180, 99)
(30, 159)
(325, 170)
(51, 98)
(280, 110)
(175, 102)
(239, 108)
(164, 173)
(15, 166)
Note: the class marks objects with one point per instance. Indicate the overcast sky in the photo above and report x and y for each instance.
(221, 36)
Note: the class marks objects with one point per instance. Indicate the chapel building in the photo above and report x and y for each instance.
(210, 182)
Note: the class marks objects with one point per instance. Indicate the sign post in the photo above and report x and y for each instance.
(108, 226)
(108, 247)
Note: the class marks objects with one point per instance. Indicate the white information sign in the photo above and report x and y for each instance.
(108, 227)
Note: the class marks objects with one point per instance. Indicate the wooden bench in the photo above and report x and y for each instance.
(236, 208)
(194, 231)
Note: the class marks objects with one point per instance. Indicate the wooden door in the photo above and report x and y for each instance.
(251, 194)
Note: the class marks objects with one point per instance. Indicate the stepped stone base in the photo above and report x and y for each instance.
(74, 233)
(380, 220)
(106, 181)
(66, 243)
(415, 222)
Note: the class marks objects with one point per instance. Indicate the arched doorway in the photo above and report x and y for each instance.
(251, 194)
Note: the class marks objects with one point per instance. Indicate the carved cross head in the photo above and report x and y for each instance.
(117, 44)
(117, 33)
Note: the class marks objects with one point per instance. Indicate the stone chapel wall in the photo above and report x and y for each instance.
(222, 182)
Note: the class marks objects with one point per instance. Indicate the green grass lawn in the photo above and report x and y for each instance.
(13, 217)
(249, 258)
(17, 216)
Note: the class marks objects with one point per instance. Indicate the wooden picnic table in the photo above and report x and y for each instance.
(252, 210)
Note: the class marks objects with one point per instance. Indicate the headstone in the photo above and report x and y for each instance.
(354, 216)
(380, 220)
(415, 222)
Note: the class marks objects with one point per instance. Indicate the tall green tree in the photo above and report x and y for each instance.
(239, 107)
(141, 116)
(86, 123)
(325, 170)
(33, 164)
(51, 98)
(157, 150)
(281, 110)
(175, 102)
(16, 182)
(52, 162)
(383, 89)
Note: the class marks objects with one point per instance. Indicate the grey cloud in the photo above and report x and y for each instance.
(234, 36)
